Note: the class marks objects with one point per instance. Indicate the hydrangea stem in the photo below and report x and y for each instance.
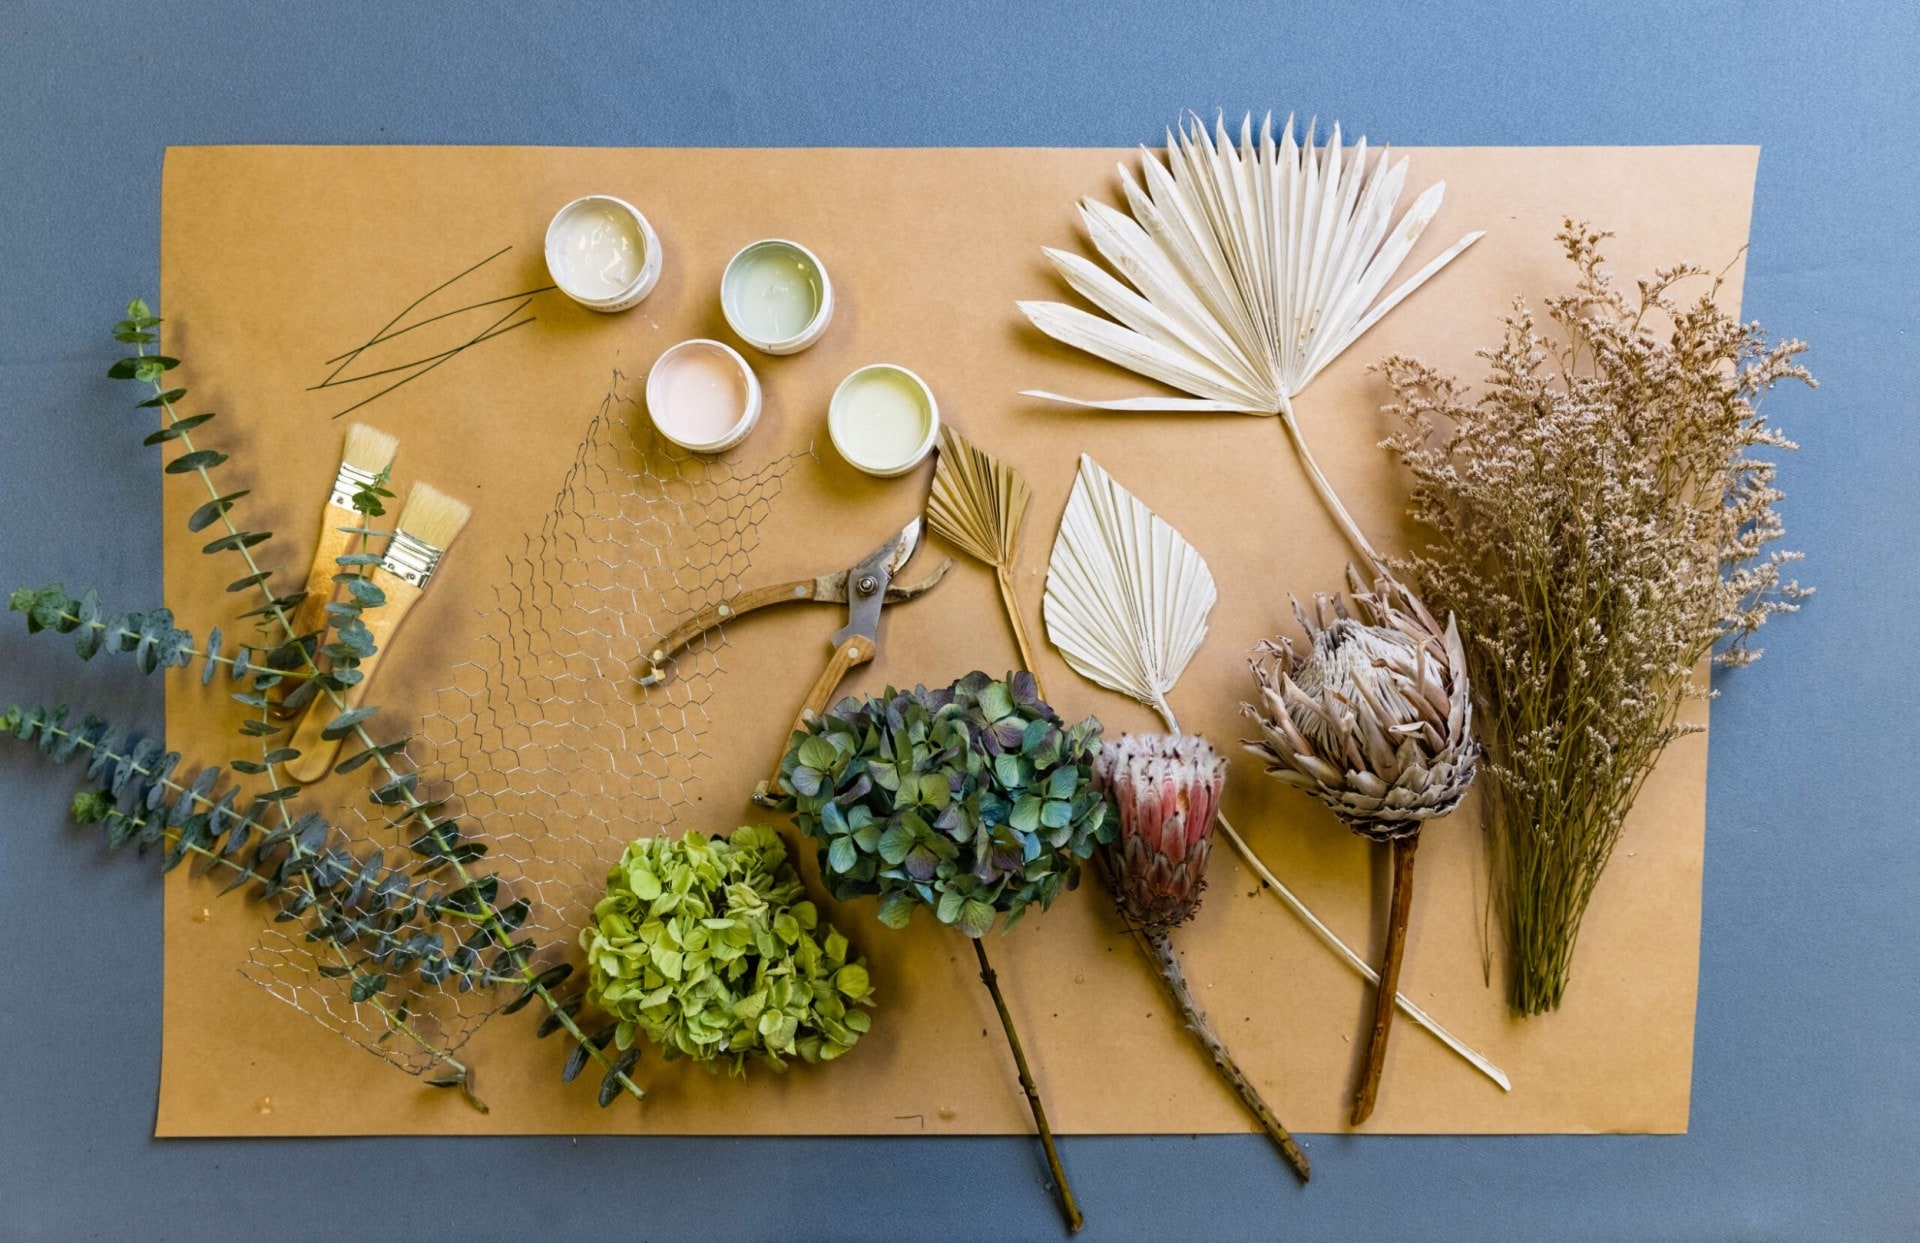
(1068, 1209)
(1159, 947)
(1403, 848)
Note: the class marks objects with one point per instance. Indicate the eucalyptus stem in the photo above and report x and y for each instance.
(530, 978)
(203, 800)
(241, 870)
(1068, 1208)
(394, 1022)
(207, 655)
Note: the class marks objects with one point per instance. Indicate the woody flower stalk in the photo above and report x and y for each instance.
(1372, 716)
(1167, 788)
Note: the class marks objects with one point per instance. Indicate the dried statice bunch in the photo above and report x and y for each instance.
(1166, 789)
(1600, 525)
(1373, 717)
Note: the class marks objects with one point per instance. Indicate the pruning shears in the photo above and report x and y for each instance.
(865, 588)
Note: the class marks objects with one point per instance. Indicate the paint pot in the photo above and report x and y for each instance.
(602, 253)
(883, 419)
(776, 295)
(703, 396)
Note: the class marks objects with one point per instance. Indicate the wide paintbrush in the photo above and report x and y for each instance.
(429, 521)
(367, 454)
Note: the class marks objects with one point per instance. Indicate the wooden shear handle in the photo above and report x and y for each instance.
(857, 650)
(706, 619)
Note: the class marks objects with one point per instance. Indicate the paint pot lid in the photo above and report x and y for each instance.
(703, 366)
(777, 337)
(635, 254)
(894, 398)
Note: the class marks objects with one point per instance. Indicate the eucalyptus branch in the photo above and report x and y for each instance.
(398, 788)
(143, 803)
(152, 638)
(395, 1021)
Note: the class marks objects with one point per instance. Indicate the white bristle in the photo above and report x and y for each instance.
(433, 517)
(369, 449)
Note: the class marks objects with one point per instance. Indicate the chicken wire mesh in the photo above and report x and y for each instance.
(543, 743)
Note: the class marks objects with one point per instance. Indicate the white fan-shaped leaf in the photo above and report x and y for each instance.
(1127, 598)
(1252, 265)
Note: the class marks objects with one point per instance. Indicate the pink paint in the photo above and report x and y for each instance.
(702, 395)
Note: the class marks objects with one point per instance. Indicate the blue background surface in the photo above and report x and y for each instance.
(1806, 1107)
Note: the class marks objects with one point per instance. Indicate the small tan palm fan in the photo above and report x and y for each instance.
(429, 521)
(977, 505)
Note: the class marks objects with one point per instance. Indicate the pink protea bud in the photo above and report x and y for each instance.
(1166, 788)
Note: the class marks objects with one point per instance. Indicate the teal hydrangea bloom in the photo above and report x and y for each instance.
(974, 801)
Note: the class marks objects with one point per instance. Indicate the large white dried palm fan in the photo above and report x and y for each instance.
(1242, 272)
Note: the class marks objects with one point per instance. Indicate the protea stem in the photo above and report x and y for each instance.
(1327, 938)
(1159, 947)
(1328, 496)
(1068, 1209)
(1403, 848)
(1004, 576)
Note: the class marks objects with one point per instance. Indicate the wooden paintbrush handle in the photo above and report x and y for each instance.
(857, 650)
(335, 539)
(310, 615)
(316, 753)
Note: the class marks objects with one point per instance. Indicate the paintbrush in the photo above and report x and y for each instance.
(366, 455)
(429, 521)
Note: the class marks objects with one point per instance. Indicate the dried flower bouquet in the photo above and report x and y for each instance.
(1601, 525)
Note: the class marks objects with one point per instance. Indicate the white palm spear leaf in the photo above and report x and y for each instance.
(1127, 598)
(1243, 271)
(1126, 602)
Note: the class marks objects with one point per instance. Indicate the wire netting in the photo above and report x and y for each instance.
(543, 742)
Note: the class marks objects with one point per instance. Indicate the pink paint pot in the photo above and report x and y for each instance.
(703, 396)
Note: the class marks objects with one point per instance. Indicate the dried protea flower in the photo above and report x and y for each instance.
(1167, 790)
(1371, 717)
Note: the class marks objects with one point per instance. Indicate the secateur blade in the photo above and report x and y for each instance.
(867, 586)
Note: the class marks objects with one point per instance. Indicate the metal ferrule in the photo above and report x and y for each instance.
(349, 481)
(410, 560)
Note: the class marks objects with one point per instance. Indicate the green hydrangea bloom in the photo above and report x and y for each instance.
(709, 947)
(974, 801)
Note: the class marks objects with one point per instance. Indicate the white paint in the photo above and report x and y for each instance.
(883, 419)
(602, 252)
